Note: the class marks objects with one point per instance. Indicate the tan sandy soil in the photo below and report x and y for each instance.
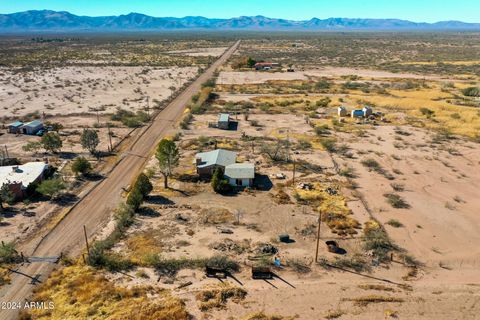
(441, 227)
(251, 77)
(201, 52)
(80, 89)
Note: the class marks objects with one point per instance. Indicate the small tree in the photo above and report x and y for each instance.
(250, 62)
(51, 142)
(6, 196)
(143, 185)
(219, 183)
(89, 140)
(81, 166)
(51, 188)
(135, 199)
(167, 156)
(32, 146)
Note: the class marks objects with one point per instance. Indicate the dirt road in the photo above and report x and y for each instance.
(95, 209)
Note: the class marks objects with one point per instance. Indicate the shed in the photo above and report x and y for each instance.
(224, 121)
(15, 127)
(240, 174)
(207, 162)
(32, 127)
(367, 111)
(342, 111)
(357, 113)
(19, 178)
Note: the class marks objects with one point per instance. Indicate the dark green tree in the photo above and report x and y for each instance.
(6, 196)
(167, 156)
(143, 185)
(51, 142)
(250, 62)
(89, 140)
(135, 199)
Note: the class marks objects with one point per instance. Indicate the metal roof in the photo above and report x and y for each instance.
(244, 170)
(24, 174)
(219, 157)
(223, 117)
(34, 123)
(16, 124)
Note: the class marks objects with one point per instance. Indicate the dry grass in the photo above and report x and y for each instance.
(377, 287)
(216, 215)
(4, 276)
(141, 246)
(217, 296)
(80, 292)
(263, 316)
(333, 207)
(334, 314)
(366, 300)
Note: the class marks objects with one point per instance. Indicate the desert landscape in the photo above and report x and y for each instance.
(363, 204)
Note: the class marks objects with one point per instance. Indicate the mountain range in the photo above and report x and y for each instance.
(47, 20)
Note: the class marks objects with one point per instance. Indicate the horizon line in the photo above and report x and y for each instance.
(234, 17)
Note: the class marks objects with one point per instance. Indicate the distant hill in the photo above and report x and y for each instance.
(46, 20)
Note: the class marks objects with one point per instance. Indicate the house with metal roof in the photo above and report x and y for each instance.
(19, 178)
(15, 127)
(32, 127)
(224, 121)
(207, 162)
(240, 174)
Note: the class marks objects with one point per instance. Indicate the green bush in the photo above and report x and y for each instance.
(51, 188)
(81, 165)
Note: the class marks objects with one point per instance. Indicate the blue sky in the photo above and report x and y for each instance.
(415, 10)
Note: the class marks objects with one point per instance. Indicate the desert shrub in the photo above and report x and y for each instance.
(396, 201)
(81, 165)
(398, 187)
(8, 254)
(427, 112)
(322, 130)
(329, 144)
(376, 240)
(395, 223)
(348, 172)
(471, 92)
(51, 188)
(129, 118)
(356, 262)
(373, 165)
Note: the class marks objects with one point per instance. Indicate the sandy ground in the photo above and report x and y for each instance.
(441, 227)
(443, 237)
(73, 90)
(73, 127)
(201, 52)
(251, 77)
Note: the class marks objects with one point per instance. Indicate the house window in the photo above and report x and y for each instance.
(238, 182)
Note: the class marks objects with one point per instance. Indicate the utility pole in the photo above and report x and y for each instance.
(109, 137)
(318, 235)
(148, 106)
(98, 117)
(6, 152)
(86, 240)
(294, 169)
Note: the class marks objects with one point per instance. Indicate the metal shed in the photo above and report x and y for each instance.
(15, 127)
(224, 121)
(32, 127)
